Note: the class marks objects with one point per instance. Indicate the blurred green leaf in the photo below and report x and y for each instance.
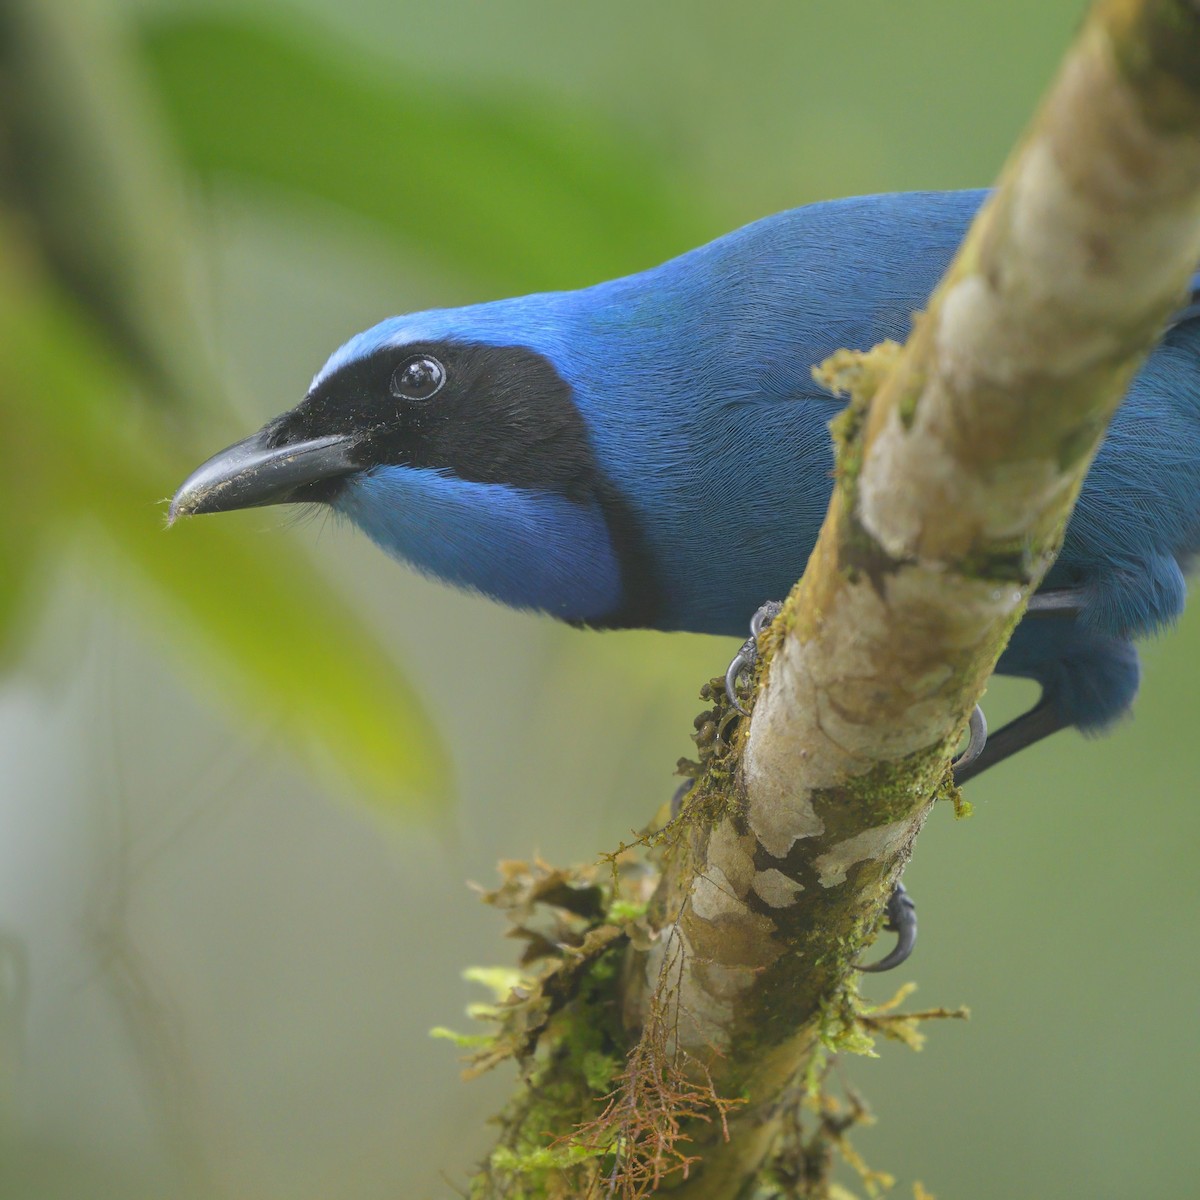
(524, 194)
(82, 160)
(93, 318)
(20, 504)
(254, 616)
(16, 570)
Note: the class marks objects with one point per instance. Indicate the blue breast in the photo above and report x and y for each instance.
(527, 549)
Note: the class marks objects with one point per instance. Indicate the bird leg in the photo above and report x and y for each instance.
(1062, 600)
(980, 752)
(746, 657)
(901, 920)
(901, 907)
(1039, 722)
(901, 910)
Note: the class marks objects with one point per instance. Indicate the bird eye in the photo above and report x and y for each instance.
(418, 378)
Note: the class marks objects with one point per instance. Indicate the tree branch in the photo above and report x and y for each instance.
(959, 460)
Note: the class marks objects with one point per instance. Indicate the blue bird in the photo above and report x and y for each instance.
(653, 451)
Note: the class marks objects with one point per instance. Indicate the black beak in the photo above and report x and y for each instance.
(251, 473)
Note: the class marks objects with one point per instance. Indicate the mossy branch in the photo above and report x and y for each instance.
(959, 462)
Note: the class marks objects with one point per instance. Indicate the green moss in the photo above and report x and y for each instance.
(890, 790)
(906, 406)
(845, 430)
(465, 1041)
(621, 910)
(838, 1027)
(579, 1058)
(599, 1070)
(532, 1174)
(858, 376)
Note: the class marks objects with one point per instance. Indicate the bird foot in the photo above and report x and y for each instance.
(902, 921)
(744, 660)
(901, 916)
(746, 657)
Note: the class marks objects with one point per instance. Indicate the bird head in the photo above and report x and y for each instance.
(457, 445)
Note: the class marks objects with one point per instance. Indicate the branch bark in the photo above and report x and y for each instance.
(959, 462)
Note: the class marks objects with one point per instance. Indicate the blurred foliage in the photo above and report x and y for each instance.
(94, 319)
(84, 466)
(99, 319)
(521, 195)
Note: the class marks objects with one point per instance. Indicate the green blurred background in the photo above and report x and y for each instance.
(248, 768)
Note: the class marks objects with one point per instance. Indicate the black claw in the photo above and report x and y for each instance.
(743, 661)
(902, 921)
(747, 656)
(680, 795)
(976, 740)
(1068, 601)
(763, 616)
